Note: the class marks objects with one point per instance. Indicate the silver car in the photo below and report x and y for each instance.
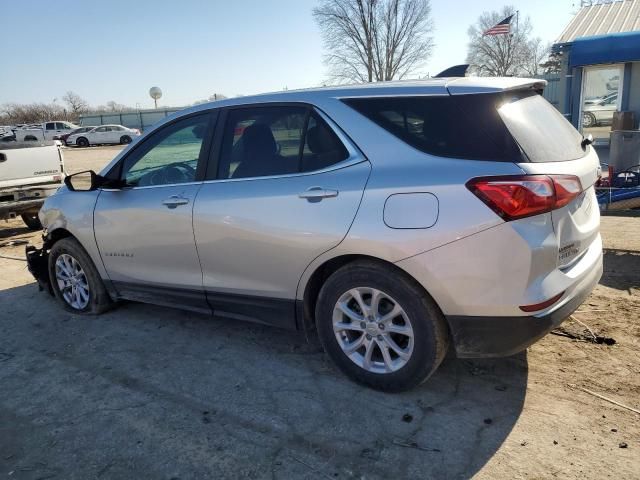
(395, 219)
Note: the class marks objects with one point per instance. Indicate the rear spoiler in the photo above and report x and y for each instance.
(468, 85)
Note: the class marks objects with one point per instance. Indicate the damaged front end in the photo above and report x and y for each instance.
(38, 264)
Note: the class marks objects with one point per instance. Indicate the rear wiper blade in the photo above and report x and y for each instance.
(586, 140)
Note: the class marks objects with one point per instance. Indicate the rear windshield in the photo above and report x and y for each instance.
(542, 132)
(492, 127)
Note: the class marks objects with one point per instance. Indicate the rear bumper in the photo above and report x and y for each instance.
(481, 337)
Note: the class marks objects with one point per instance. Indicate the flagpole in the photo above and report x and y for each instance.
(517, 20)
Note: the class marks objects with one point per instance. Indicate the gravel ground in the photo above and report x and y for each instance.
(151, 392)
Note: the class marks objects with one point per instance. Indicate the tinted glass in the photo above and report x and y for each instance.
(262, 141)
(322, 147)
(50, 126)
(100, 129)
(542, 132)
(465, 126)
(169, 156)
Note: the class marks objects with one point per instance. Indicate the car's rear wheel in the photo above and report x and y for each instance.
(32, 221)
(82, 142)
(588, 120)
(380, 327)
(125, 139)
(75, 280)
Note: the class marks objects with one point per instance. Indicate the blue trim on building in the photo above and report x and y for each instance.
(603, 49)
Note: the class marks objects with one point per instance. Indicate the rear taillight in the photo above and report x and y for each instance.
(520, 196)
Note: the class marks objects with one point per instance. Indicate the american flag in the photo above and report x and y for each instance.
(502, 28)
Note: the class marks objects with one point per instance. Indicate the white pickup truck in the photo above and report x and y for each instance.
(28, 174)
(46, 131)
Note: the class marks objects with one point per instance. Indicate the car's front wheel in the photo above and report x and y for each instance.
(380, 327)
(82, 142)
(588, 120)
(125, 140)
(75, 280)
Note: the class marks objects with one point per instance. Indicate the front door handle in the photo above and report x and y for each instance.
(174, 200)
(316, 194)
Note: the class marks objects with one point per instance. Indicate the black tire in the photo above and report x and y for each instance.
(82, 142)
(99, 300)
(125, 140)
(431, 338)
(32, 221)
(30, 138)
(588, 120)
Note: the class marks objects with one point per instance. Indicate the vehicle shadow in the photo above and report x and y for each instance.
(12, 231)
(621, 269)
(152, 392)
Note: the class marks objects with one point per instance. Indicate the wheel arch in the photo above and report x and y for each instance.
(311, 289)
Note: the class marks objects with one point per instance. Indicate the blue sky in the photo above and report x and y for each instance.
(118, 49)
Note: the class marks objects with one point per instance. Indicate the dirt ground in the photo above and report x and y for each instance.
(150, 392)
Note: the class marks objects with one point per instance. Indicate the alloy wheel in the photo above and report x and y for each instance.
(72, 281)
(373, 330)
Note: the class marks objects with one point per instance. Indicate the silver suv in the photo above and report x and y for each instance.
(396, 219)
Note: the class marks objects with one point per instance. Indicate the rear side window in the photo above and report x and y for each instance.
(465, 126)
(493, 127)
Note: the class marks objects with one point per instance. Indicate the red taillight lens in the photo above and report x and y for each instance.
(567, 188)
(520, 196)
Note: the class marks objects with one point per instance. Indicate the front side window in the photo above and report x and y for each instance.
(100, 129)
(170, 156)
(265, 141)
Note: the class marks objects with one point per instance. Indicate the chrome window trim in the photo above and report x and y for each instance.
(348, 162)
(148, 186)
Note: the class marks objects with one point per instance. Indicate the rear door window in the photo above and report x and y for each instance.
(266, 141)
(322, 147)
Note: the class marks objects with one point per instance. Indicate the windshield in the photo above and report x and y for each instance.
(540, 130)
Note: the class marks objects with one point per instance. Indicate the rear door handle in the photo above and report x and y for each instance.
(315, 194)
(174, 200)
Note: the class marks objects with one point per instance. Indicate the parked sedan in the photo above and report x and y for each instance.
(77, 131)
(105, 134)
(381, 216)
(599, 111)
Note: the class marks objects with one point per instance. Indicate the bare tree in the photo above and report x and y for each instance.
(374, 40)
(535, 53)
(13, 113)
(499, 55)
(111, 106)
(76, 103)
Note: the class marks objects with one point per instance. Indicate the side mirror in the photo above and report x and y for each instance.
(83, 181)
(586, 140)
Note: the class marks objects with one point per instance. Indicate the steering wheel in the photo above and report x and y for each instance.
(178, 173)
